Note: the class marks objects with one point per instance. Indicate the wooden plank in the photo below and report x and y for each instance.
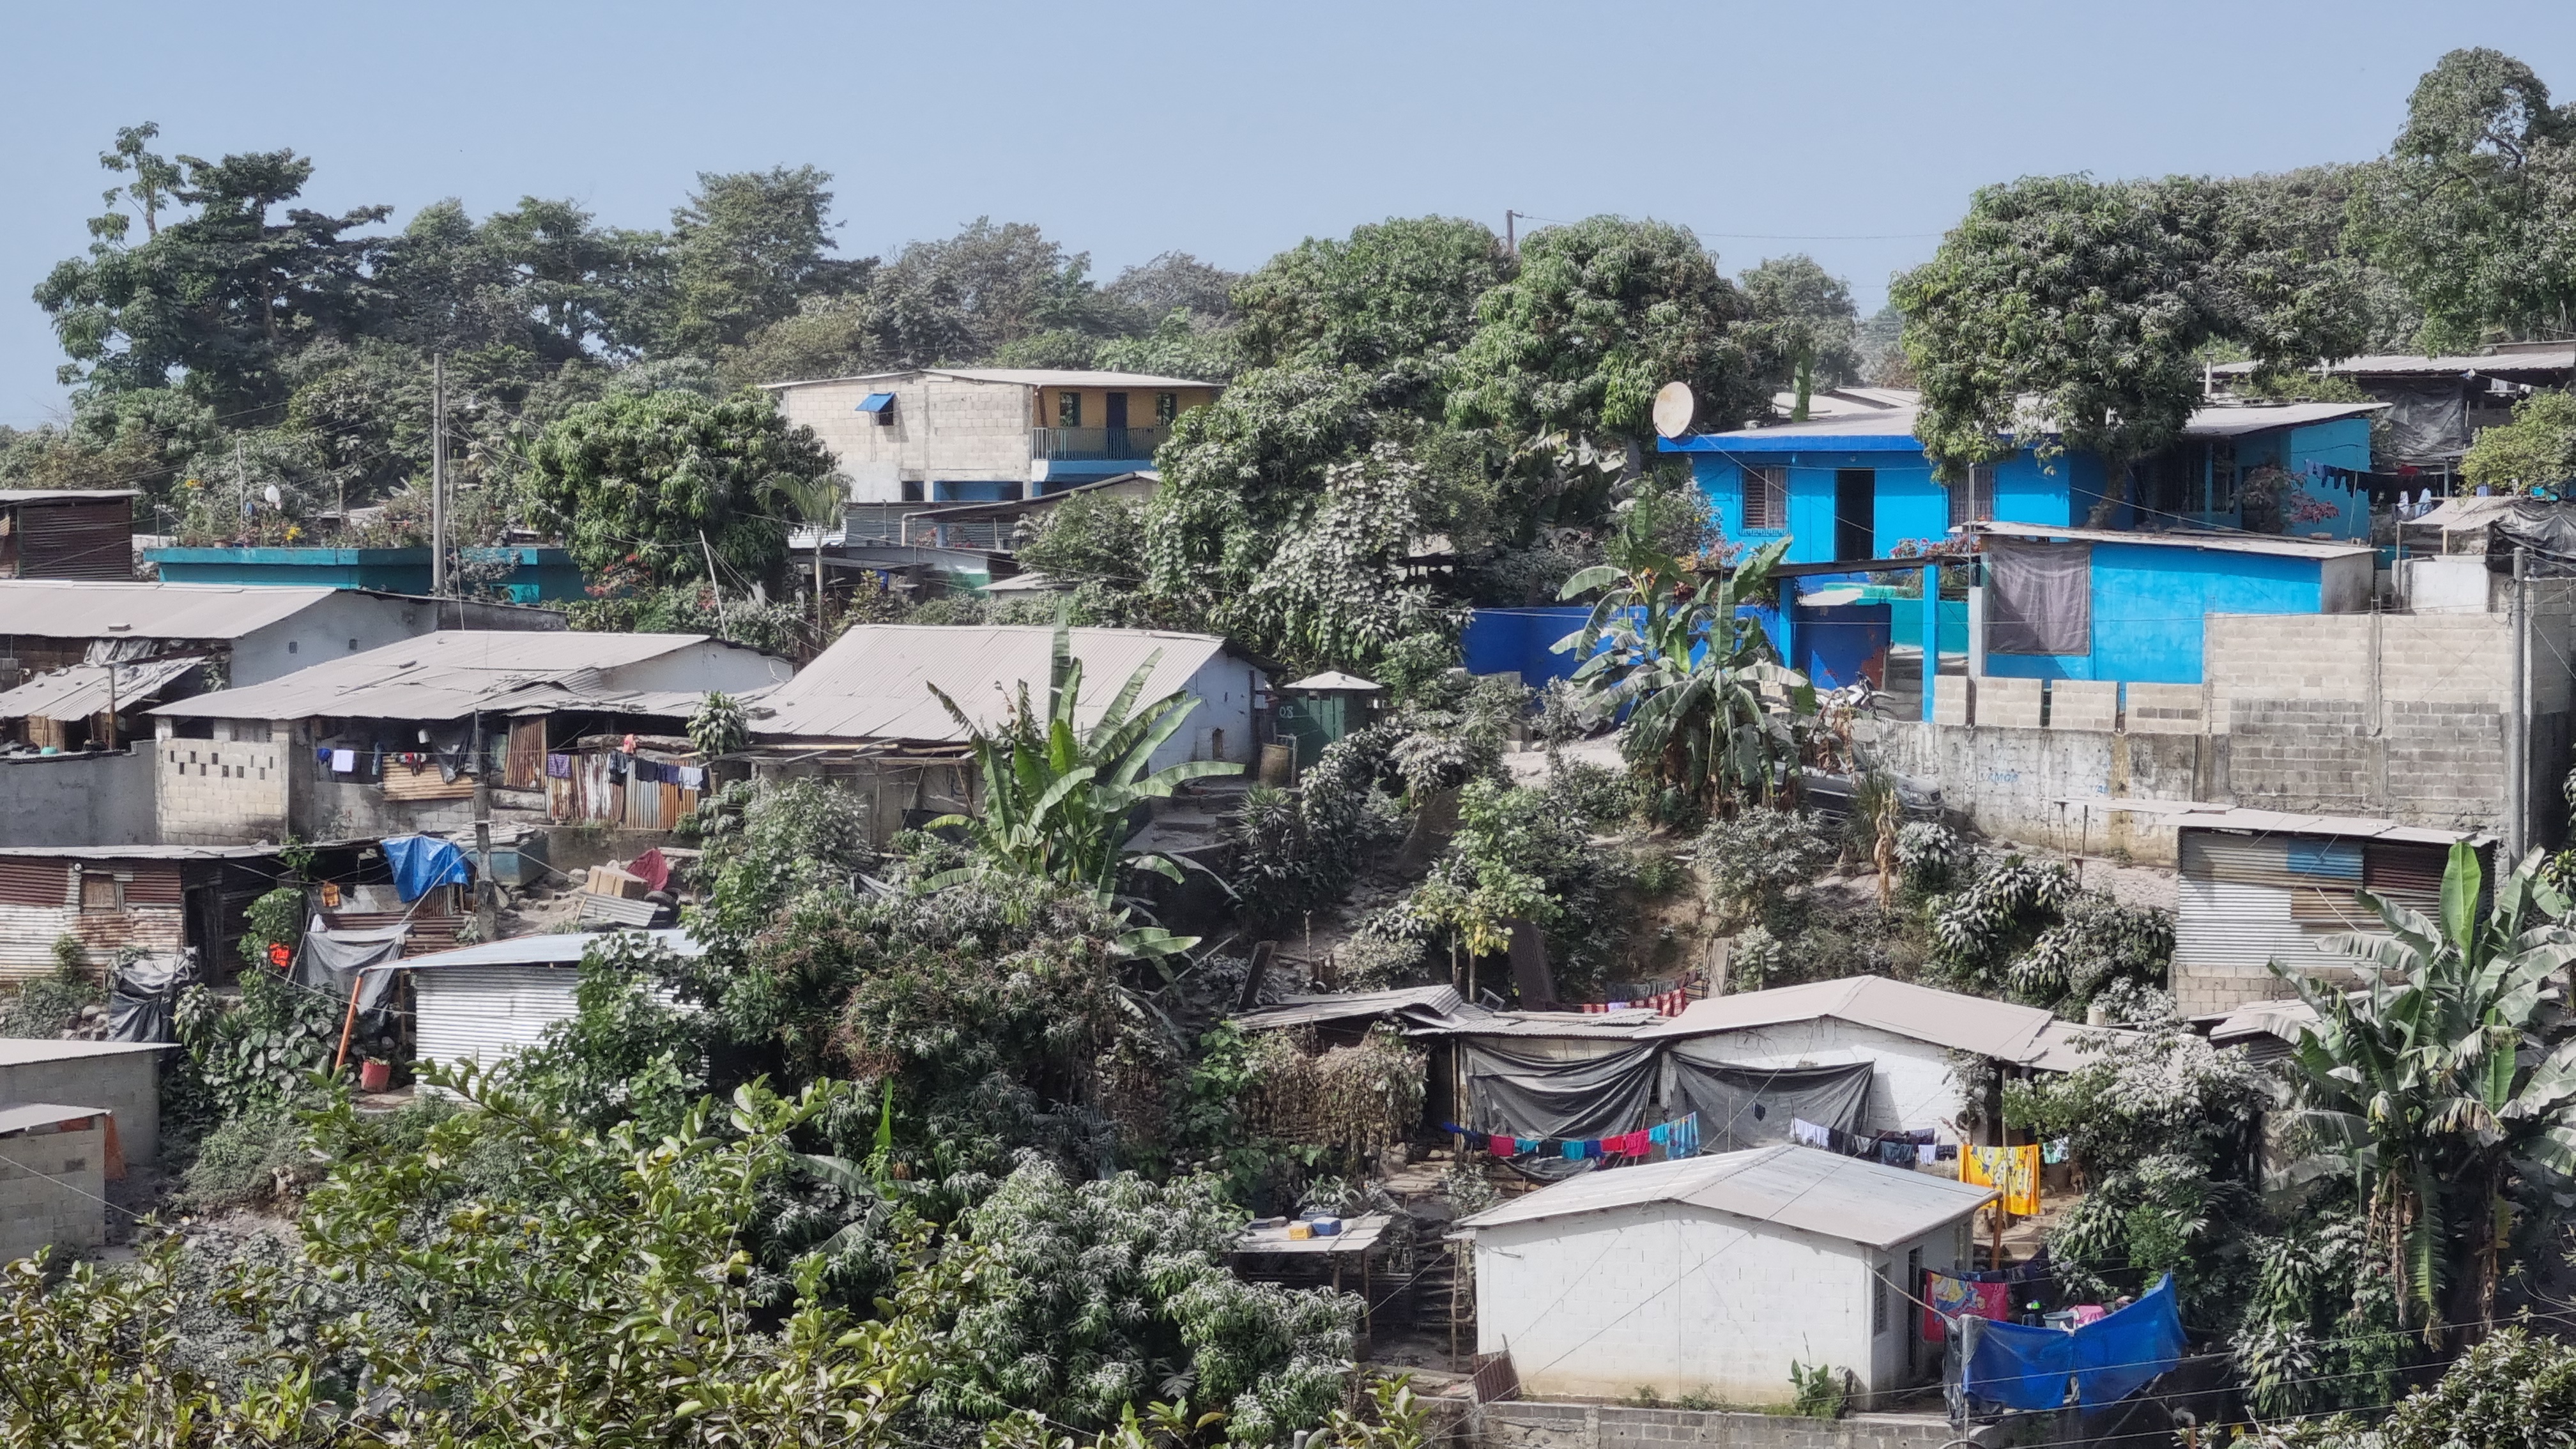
(422, 782)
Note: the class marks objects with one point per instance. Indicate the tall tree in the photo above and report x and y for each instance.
(1602, 314)
(222, 295)
(2474, 208)
(647, 487)
(1396, 295)
(965, 298)
(1804, 326)
(746, 249)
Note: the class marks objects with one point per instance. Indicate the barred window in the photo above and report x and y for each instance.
(1972, 499)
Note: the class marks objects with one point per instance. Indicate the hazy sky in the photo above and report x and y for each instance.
(1852, 131)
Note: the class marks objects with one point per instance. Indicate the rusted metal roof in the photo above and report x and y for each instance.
(1805, 1188)
(1410, 1002)
(875, 681)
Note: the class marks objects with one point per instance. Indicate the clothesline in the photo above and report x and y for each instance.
(1676, 1138)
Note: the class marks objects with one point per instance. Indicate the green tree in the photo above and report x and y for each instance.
(2445, 1089)
(1400, 294)
(2535, 452)
(222, 295)
(2474, 208)
(646, 488)
(1804, 326)
(964, 298)
(817, 503)
(746, 249)
(1602, 314)
(1711, 712)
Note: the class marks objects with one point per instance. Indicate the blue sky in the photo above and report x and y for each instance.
(1853, 131)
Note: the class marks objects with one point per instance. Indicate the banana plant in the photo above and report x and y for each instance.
(2445, 1087)
(1057, 796)
(1710, 709)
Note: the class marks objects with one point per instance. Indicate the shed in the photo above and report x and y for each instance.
(54, 1166)
(1712, 1275)
(64, 533)
(482, 1003)
(2258, 886)
(1321, 708)
(114, 1076)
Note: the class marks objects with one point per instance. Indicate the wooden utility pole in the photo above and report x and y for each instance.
(1511, 233)
(438, 475)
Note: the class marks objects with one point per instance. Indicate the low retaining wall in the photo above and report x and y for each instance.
(1608, 1426)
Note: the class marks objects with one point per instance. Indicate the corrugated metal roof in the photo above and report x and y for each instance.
(1024, 376)
(874, 682)
(1431, 1001)
(560, 948)
(441, 676)
(2221, 542)
(84, 690)
(94, 609)
(2278, 822)
(2459, 515)
(2285, 1019)
(1806, 1188)
(14, 1120)
(1332, 680)
(159, 852)
(2557, 359)
(1473, 1020)
(2236, 420)
(65, 495)
(1997, 1029)
(17, 1053)
(671, 703)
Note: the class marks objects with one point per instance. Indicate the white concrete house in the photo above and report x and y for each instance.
(987, 434)
(118, 1077)
(1715, 1274)
(1909, 1034)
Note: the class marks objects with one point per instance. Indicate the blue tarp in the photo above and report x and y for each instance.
(2110, 1358)
(422, 862)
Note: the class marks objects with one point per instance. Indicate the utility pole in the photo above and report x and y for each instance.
(487, 913)
(1511, 233)
(2517, 761)
(438, 476)
(241, 490)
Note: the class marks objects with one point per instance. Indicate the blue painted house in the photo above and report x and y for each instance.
(1855, 484)
(2126, 602)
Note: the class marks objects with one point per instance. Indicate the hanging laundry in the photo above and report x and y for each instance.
(2013, 1169)
(344, 762)
(2053, 1152)
(1500, 1146)
(693, 777)
(1524, 1144)
(1949, 1297)
(1802, 1130)
(1574, 1152)
(558, 767)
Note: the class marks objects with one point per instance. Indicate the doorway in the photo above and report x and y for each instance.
(1114, 416)
(1855, 513)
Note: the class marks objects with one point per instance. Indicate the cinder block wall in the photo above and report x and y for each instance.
(51, 1190)
(221, 792)
(125, 1083)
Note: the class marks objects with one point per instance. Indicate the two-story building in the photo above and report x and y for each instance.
(1856, 485)
(988, 434)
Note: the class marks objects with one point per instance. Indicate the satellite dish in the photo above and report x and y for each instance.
(1674, 407)
(271, 494)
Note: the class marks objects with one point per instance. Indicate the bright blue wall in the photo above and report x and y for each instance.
(2148, 603)
(1911, 504)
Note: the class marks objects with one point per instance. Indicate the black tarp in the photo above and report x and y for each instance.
(138, 1001)
(1516, 1091)
(1742, 1106)
(326, 958)
(2546, 530)
(2039, 597)
(2425, 422)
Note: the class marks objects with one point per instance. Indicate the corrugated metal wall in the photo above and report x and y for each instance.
(487, 1012)
(590, 797)
(2245, 899)
(27, 935)
(77, 540)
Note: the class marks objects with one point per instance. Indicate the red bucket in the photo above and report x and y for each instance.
(375, 1076)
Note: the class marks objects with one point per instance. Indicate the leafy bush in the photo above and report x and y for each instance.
(1816, 1391)
(1520, 855)
(273, 919)
(48, 1006)
(1367, 1096)
(2320, 1328)
(236, 1055)
(2096, 942)
(1756, 957)
(251, 1160)
(2147, 1094)
(1754, 861)
(2516, 1389)
(1927, 854)
(1371, 963)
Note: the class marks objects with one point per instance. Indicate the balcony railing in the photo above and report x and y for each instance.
(1091, 445)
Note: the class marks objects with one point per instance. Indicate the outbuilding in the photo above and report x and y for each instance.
(487, 1002)
(122, 1078)
(54, 1164)
(1714, 1275)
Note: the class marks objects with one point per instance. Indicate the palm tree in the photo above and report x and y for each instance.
(2445, 1087)
(1711, 710)
(817, 503)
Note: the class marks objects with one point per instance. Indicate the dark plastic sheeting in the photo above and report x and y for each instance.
(1743, 1107)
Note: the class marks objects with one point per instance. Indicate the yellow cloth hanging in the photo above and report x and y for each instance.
(2014, 1169)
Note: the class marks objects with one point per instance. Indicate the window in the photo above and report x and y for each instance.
(1972, 499)
(1068, 410)
(1167, 406)
(100, 892)
(1877, 1302)
(1766, 498)
(2222, 476)
(912, 490)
